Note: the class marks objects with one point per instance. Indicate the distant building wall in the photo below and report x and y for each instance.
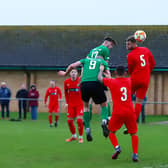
(157, 91)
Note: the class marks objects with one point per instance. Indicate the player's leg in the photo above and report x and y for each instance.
(70, 121)
(140, 95)
(135, 141)
(50, 111)
(86, 117)
(130, 122)
(99, 97)
(115, 124)
(86, 91)
(108, 103)
(90, 108)
(56, 112)
(79, 112)
(104, 115)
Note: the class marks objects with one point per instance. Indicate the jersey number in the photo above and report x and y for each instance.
(95, 54)
(143, 63)
(92, 65)
(124, 93)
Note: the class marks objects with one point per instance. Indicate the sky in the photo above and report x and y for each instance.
(86, 12)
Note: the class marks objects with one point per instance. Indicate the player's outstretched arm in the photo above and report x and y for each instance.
(70, 67)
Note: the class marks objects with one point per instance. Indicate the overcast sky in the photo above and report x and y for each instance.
(86, 12)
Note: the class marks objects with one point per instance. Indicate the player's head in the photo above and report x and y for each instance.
(23, 86)
(3, 84)
(33, 87)
(131, 43)
(109, 42)
(120, 71)
(74, 74)
(52, 83)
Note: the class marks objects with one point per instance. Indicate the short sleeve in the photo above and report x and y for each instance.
(105, 65)
(82, 61)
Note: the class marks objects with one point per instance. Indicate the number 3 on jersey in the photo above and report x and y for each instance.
(143, 63)
(92, 65)
(124, 93)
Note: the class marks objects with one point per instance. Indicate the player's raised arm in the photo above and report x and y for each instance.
(70, 67)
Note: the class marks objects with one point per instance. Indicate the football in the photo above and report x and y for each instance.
(140, 35)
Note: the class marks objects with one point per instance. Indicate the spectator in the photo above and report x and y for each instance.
(33, 94)
(21, 94)
(5, 95)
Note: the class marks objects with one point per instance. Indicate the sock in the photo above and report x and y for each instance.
(138, 108)
(90, 111)
(86, 117)
(113, 140)
(135, 143)
(80, 137)
(71, 126)
(80, 126)
(56, 118)
(104, 113)
(50, 118)
(109, 109)
(74, 135)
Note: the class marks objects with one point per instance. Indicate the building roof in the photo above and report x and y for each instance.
(57, 46)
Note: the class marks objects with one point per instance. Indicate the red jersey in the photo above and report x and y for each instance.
(72, 92)
(54, 94)
(120, 89)
(140, 64)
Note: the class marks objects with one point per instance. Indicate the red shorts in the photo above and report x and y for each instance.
(139, 88)
(74, 111)
(53, 108)
(129, 119)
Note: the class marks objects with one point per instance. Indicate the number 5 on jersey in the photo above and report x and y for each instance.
(143, 63)
(124, 93)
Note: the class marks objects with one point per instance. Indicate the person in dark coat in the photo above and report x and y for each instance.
(5, 95)
(22, 104)
(33, 94)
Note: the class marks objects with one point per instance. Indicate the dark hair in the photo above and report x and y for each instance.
(33, 86)
(110, 40)
(131, 38)
(120, 70)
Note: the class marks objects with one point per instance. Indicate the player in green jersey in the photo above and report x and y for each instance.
(103, 49)
(103, 52)
(91, 88)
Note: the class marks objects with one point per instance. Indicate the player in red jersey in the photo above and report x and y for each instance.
(54, 94)
(75, 105)
(123, 112)
(140, 64)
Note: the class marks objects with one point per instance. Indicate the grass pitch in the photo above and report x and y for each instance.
(33, 144)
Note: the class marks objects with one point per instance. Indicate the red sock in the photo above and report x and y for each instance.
(138, 108)
(113, 139)
(135, 143)
(56, 118)
(50, 118)
(71, 126)
(80, 126)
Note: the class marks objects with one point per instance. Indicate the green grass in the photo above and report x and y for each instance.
(32, 144)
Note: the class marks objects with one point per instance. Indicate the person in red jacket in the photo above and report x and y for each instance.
(34, 95)
(140, 65)
(54, 94)
(75, 105)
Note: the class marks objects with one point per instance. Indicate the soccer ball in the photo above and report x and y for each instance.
(140, 35)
